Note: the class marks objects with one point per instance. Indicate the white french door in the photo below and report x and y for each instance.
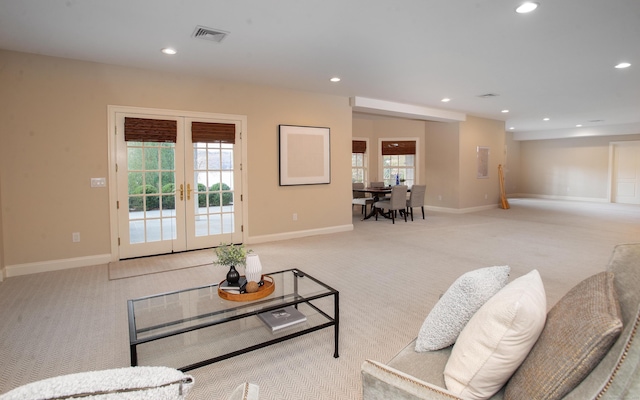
(173, 193)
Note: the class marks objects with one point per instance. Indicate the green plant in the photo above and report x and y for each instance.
(169, 202)
(214, 198)
(231, 254)
(202, 195)
(136, 202)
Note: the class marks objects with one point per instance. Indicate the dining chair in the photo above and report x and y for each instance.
(360, 198)
(416, 199)
(397, 202)
(378, 185)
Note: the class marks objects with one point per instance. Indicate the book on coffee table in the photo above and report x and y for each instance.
(238, 287)
(281, 318)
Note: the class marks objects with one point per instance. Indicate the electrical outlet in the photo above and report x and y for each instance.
(439, 197)
(295, 216)
(75, 237)
(486, 196)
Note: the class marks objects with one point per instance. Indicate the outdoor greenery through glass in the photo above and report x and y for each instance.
(358, 167)
(151, 172)
(404, 165)
(214, 174)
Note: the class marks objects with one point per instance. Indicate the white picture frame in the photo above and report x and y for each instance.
(304, 155)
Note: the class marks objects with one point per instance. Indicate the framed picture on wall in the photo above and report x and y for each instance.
(482, 154)
(304, 156)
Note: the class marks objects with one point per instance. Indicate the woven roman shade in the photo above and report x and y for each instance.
(398, 148)
(150, 130)
(358, 146)
(208, 132)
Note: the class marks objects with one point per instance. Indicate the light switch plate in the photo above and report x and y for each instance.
(98, 182)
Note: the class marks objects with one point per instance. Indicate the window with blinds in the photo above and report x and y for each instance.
(208, 132)
(359, 160)
(398, 161)
(150, 130)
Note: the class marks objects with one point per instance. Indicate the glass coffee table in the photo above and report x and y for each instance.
(190, 328)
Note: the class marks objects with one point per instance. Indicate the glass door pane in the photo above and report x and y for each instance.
(148, 194)
(151, 182)
(216, 175)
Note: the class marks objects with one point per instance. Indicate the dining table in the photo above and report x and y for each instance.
(376, 194)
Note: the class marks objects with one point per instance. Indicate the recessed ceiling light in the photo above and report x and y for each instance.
(169, 51)
(579, 126)
(526, 7)
(512, 128)
(545, 119)
(623, 65)
(335, 79)
(505, 111)
(445, 100)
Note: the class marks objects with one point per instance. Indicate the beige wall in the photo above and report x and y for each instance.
(447, 156)
(54, 139)
(482, 132)
(376, 128)
(512, 165)
(2, 271)
(576, 168)
(442, 164)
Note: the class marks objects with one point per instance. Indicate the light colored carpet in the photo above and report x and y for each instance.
(389, 276)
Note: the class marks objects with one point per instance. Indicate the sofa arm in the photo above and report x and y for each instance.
(380, 382)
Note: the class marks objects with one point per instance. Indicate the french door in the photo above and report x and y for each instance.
(179, 182)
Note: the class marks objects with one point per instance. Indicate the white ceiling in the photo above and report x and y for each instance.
(557, 62)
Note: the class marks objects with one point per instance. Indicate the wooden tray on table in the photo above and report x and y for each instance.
(263, 291)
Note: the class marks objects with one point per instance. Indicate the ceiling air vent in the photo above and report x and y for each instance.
(205, 33)
(488, 95)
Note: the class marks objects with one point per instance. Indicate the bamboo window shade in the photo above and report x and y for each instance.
(208, 132)
(358, 146)
(150, 130)
(403, 147)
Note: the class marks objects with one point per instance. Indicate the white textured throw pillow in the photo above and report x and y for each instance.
(497, 339)
(131, 383)
(458, 304)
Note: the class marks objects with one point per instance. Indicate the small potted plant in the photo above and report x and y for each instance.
(232, 256)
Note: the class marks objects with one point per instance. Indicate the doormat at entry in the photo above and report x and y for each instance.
(162, 263)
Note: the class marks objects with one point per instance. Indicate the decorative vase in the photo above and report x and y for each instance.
(233, 276)
(253, 270)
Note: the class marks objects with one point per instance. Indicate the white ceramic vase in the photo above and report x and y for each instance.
(253, 269)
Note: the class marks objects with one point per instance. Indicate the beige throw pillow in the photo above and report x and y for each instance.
(580, 329)
(497, 339)
(458, 304)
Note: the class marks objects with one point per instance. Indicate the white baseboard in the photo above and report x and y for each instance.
(553, 197)
(56, 265)
(298, 234)
(514, 196)
(460, 210)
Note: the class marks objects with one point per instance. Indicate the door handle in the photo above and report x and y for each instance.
(188, 191)
(181, 192)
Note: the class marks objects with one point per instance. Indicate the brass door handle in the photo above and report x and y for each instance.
(188, 191)
(181, 192)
